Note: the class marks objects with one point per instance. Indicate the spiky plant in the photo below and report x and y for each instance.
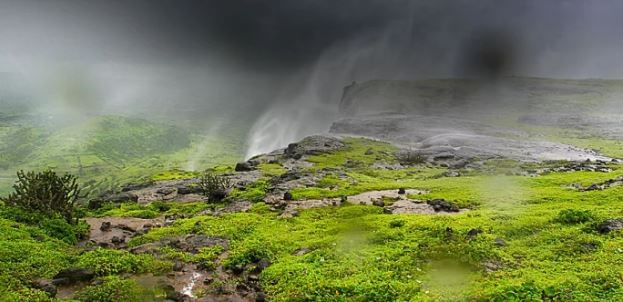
(214, 186)
(45, 192)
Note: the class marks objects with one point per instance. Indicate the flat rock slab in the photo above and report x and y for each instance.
(121, 228)
(405, 206)
(458, 138)
(409, 207)
(368, 198)
(401, 205)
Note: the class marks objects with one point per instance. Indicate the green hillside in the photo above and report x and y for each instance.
(108, 151)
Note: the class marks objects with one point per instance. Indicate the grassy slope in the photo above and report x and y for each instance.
(109, 151)
(360, 254)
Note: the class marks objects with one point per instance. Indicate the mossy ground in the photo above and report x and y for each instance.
(532, 248)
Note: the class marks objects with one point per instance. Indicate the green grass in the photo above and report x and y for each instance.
(551, 250)
(355, 154)
(174, 174)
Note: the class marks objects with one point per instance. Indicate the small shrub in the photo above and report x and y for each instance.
(60, 229)
(207, 256)
(45, 192)
(571, 216)
(214, 186)
(145, 214)
(252, 251)
(110, 262)
(396, 223)
(160, 206)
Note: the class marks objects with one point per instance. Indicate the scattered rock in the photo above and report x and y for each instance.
(178, 266)
(451, 173)
(238, 269)
(193, 243)
(473, 233)
(125, 227)
(287, 196)
(302, 251)
(603, 185)
(260, 297)
(244, 167)
(242, 288)
(73, 275)
(378, 203)
(147, 248)
(185, 190)
(117, 240)
(261, 265)
(610, 225)
(45, 285)
(134, 187)
(166, 191)
(208, 280)
(173, 295)
(402, 191)
(499, 242)
(253, 278)
(122, 197)
(97, 203)
(313, 145)
(106, 226)
(442, 205)
(408, 207)
(493, 266)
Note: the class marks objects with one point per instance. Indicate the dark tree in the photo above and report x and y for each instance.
(45, 192)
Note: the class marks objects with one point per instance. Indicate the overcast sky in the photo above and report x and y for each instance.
(567, 38)
(290, 58)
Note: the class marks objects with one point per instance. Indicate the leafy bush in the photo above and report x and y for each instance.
(571, 216)
(52, 226)
(113, 289)
(45, 192)
(208, 255)
(145, 214)
(60, 229)
(252, 251)
(396, 223)
(214, 186)
(160, 206)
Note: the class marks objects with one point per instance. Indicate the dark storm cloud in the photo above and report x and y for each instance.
(282, 35)
(279, 33)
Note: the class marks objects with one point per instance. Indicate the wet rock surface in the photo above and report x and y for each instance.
(456, 141)
(435, 206)
(610, 225)
(45, 285)
(74, 275)
(186, 190)
(602, 185)
(313, 145)
(115, 231)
